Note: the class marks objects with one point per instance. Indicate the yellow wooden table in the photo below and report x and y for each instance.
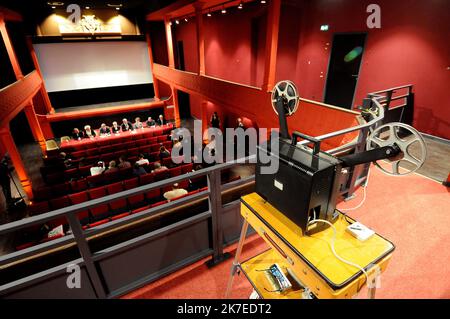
(308, 258)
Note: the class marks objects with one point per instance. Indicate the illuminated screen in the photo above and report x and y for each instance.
(88, 65)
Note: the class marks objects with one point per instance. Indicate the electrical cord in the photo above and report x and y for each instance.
(334, 251)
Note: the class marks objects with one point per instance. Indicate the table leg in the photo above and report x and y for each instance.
(236, 265)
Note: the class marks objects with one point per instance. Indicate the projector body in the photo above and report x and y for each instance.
(305, 186)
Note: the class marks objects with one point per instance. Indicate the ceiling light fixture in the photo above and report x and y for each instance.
(240, 6)
(53, 7)
(186, 19)
(209, 14)
(223, 10)
(55, 4)
(87, 8)
(177, 21)
(263, 1)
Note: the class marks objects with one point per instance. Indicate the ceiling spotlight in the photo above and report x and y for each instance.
(177, 21)
(55, 4)
(117, 8)
(240, 6)
(223, 10)
(87, 8)
(170, 23)
(186, 19)
(209, 14)
(53, 7)
(263, 1)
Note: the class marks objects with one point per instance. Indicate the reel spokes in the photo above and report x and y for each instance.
(289, 93)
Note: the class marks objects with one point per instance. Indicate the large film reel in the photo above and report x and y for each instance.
(405, 137)
(289, 93)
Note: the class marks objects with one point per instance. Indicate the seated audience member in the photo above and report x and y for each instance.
(137, 123)
(159, 167)
(112, 167)
(99, 169)
(239, 123)
(126, 126)
(138, 170)
(88, 132)
(104, 130)
(175, 192)
(177, 147)
(160, 121)
(150, 122)
(77, 134)
(163, 152)
(211, 146)
(141, 160)
(115, 128)
(215, 121)
(123, 163)
(64, 160)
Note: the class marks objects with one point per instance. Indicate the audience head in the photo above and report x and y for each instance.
(62, 155)
(112, 164)
(141, 156)
(137, 119)
(149, 118)
(100, 164)
(87, 127)
(157, 165)
(103, 125)
(125, 121)
(76, 130)
(122, 159)
(161, 117)
(114, 124)
(175, 186)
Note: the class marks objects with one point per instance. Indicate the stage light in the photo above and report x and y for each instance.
(209, 14)
(177, 22)
(186, 19)
(223, 10)
(87, 8)
(53, 7)
(117, 8)
(263, 1)
(240, 6)
(324, 27)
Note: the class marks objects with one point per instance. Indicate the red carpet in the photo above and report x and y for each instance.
(412, 211)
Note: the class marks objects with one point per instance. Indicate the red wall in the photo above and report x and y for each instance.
(411, 47)
(186, 32)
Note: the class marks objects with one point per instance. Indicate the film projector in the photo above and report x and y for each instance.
(308, 181)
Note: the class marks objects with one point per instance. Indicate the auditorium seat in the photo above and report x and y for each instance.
(176, 171)
(59, 202)
(79, 198)
(136, 200)
(37, 208)
(79, 185)
(92, 152)
(141, 142)
(160, 175)
(71, 174)
(146, 179)
(61, 189)
(187, 168)
(42, 193)
(85, 171)
(125, 173)
(153, 195)
(95, 180)
(119, 205)
(101, 211)
(162, 139)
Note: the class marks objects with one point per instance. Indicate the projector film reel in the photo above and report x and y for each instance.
(389, 134)
(289, 93)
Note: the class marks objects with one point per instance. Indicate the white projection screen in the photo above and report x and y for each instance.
(87, 65)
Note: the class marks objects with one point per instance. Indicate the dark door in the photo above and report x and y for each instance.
(184, 105)
(180, 56)
(343, 71)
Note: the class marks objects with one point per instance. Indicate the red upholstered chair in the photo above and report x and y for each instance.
(92, 152)
(153, 195)
(133, 151)
(95, 180)
(160, 175)
(119, 205)
(141, 142)
(42, 193)
(85, 171)
(61, 189)
(152, 140)
(59, 202)
(176, 171)
(146, 179)
(136, 200)
(79, 185)
(162, 138)
(103, 142)
(38, 208)
(187, 168)
(101, 211)
(125, 173)
(79, 198)
(72, 173)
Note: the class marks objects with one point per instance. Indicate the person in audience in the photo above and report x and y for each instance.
(99, 169)
(126, 126)
(104, 130)
(163, 152)
(5, 180)
(175, 192)
(88, 132)
(159, 167)
(160, 121)
(142, 160)
(239, 123)
(138, 170)
(215, 121)
(177, 147)
(65, 161)
(123, 163)
(112, 167)
(211, 146)
(150, 122)
(137, 123)
(115, 128)
(77, 134)
(172, 136)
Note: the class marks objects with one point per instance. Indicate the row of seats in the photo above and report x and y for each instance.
(113, 210)
(52, 175)
(153, 144)
(74, 185)
(100, 142)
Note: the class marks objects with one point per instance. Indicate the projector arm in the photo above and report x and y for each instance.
(376, 154)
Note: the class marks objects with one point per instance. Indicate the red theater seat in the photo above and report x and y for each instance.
(153, 196)
(160, 175)
(79, 185)
(39, 208)
(42, 193)
(176, 171)
(136, 200)
(146, 179)
(60, 202)
(118, 205)
(101, 211)
(187, 168)
(79, 198)
(61, 189)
